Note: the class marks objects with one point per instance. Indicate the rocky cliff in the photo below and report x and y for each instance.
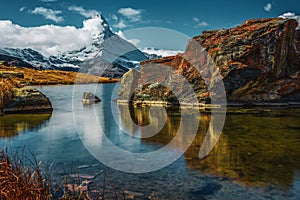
(258, 61)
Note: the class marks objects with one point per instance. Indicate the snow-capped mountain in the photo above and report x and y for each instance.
(106, 55)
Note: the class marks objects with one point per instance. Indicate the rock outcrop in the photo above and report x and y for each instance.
(258, 61)
(90, 98)
(28, 100)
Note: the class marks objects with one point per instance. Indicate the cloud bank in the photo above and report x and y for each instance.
(49, 39)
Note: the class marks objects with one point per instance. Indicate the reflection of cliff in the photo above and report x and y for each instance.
(12, 125)
(254, 150)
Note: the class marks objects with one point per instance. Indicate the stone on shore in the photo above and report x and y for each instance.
(28, 100)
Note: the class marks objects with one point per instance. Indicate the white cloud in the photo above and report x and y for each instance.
(196, 19)
(201, 24)
(161, 52)
(268, 7)
(291, 15)
(83, 12)
(114, 17)
(121, 24)
(132, 14)
(135, 42)
(48, 14)
(22, 9)
(49, 39)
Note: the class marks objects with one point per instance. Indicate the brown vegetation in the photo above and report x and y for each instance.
(6, 92)
(52, 77)
(23, 177)
(17, 77)
(18, 181)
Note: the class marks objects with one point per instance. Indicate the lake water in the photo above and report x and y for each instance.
(256, 157)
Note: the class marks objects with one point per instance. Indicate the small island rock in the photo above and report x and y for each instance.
(90, 98)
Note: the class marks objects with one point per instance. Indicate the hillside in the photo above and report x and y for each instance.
(26, 76)
(257, 62)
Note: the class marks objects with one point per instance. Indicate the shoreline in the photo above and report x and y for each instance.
(231, 105)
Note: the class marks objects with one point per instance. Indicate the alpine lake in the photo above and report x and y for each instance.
(257, 155)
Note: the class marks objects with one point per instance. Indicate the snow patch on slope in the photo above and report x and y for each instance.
(161, 52)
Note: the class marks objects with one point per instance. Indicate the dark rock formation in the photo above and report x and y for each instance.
(28, 100)
(90, 98)
(258, 61)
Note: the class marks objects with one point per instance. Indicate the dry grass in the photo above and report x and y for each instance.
(52, 77)
(23, 177)
(19, 181)
(40, 77)
(7, 91)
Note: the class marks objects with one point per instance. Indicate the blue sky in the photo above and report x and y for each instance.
(189, 17)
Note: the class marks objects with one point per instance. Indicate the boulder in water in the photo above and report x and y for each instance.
(90, 98)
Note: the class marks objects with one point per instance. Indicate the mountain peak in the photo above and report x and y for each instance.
(70, 48)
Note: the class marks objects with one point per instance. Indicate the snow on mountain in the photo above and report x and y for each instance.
(160, 52)
(98, 50)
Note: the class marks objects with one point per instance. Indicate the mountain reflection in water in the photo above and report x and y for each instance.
(12, 125)
(255, 149)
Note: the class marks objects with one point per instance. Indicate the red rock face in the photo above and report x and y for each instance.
(254, 55)
(258, 61)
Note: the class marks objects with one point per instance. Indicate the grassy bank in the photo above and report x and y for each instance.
(6, 91)
(50, 77)
(17, 77)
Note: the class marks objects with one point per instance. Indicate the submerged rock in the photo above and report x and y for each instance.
(258, 61)
(28, 100)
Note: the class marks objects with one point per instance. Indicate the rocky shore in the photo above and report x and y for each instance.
(258, 62)
(16, 95)
(28, 100)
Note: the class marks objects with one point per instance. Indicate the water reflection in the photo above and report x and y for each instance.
(253, 149)
(12, 125)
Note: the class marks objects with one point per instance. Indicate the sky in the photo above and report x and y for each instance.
(172, 22)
